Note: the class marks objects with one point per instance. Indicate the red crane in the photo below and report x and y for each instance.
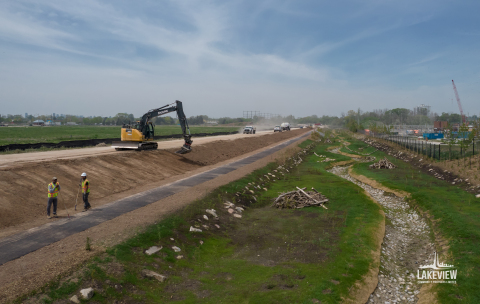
(459, 103)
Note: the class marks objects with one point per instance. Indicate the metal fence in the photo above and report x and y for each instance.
(435, 150)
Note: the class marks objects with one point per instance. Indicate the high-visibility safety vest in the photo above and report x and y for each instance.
(55, 191)
(84, 186)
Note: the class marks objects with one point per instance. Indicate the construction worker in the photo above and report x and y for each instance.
(85, 192)
(53, 189)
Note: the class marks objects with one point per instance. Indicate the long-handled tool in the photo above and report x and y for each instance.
(60, 194)
(78, 192)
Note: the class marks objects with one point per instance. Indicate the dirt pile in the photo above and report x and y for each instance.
(23, 190)
(218, 151)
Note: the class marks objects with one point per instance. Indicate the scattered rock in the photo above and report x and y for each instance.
(153, 275)
(205, 217)
(87, 293)
(216, 225)
(477, 196)
(75, 299)
(192, 229)
(383, 164)
(179, 257)
(153, 249)
(237, 215)
(212, 212)
(176, 249)
(230, 210)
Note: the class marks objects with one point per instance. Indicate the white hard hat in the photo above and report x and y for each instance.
(84, 174)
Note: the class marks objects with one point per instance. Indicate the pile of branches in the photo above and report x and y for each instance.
(383, 164)
(299, 198)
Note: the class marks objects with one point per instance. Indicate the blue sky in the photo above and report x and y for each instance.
(224, 57)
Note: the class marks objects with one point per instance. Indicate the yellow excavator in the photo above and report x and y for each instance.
(140, 134)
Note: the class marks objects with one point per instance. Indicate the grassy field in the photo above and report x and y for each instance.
(268, 256)
(455, 214)
(28, 135)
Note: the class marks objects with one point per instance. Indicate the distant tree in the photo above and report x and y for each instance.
(123, 118)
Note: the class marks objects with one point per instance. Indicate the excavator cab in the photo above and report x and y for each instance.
(149, 133)
(133, 138)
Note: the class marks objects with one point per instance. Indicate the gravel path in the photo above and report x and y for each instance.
(406, 246)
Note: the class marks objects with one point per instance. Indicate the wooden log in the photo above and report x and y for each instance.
(310, 197)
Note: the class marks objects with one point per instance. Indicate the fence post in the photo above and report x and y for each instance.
(439, 155)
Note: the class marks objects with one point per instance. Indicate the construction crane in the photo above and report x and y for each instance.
(459, 103)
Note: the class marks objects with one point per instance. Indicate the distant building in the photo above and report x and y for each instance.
(71, 123)
(440, 126)
(26, 115)
(38, 123)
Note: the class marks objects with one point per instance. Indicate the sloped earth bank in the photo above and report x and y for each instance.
(23, 188)
(406, 246)
(34, 270)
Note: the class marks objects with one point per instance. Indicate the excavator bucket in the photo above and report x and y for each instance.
(184, 150)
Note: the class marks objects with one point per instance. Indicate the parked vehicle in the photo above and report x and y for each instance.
(277, 129)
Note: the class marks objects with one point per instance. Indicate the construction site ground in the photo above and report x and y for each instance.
(113, 175)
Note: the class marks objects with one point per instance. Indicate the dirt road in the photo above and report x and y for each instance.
(35, 269)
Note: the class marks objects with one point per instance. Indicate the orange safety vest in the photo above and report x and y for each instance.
(84, 186)
(55, 192)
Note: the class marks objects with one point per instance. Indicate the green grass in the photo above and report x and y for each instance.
(268, 256)
(28, 135)
(458, 215)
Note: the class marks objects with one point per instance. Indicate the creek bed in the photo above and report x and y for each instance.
(406, 246)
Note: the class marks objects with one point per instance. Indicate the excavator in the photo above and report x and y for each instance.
(139, 135)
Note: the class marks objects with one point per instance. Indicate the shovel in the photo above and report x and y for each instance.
(78, 192)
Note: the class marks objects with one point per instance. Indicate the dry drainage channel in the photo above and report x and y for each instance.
(406, 246)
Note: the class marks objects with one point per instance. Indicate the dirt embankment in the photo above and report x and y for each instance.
(23, 188)
(218, 151)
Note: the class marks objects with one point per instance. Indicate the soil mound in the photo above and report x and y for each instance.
(23, 188)
(219, 151)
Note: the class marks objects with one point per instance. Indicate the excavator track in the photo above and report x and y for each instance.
(139, 146)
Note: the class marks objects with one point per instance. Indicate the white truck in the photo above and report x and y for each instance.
(285, 126)
(249, 130)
